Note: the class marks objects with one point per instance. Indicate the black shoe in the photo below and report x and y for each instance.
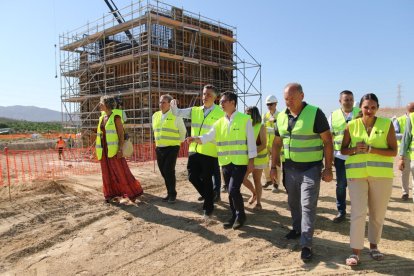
(207, 215)
(171, 199)
(292, 235)
(306, 254)
(238, 223)
(165, 199)
(200, 198)
(267, 184)
(229, 224)
(404, 197)
(339, 218)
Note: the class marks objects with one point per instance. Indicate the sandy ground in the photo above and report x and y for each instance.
(65, 228)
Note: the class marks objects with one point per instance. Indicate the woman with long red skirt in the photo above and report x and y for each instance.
(117, 178)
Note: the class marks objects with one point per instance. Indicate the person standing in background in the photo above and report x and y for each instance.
(337, 122)
(269, 120)
(60, 145)
(400, 126)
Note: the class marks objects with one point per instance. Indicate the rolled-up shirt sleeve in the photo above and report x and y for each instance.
(183, 113)
(406, 139)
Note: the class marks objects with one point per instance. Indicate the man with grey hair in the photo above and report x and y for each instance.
(169, 132)
(303, 132)
(202, 159)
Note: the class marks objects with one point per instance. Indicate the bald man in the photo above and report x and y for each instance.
(303, 132)
(403, 128)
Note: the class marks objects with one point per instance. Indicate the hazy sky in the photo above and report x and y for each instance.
(326, 45)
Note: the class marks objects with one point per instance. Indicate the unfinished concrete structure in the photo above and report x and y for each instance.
(152, 49)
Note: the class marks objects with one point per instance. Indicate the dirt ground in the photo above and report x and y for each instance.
(65, 228)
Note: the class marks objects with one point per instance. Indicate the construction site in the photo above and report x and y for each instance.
(55, 218)
(147, 49)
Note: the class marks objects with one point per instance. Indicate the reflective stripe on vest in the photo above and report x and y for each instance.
(201, 125)
(232, 142)
(111, 137)
(268, 124)
(368, 164)
(302, 144)
(339, 125)
(262, 157)
(165, 132)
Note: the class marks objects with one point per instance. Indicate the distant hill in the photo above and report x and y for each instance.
(30, 113)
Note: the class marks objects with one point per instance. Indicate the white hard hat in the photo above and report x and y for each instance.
(271, 99)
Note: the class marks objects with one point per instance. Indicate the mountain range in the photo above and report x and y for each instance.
(30, 113)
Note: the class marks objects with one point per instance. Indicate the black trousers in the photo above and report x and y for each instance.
(200, 169)
(233, 179)
(166, 159)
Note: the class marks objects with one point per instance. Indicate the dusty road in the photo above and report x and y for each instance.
(65, 228)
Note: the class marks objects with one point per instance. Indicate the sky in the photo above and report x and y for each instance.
(326, 45)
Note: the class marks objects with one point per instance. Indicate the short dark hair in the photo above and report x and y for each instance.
(254, 114)
(231, 96)
(211, 87)
(346, 92)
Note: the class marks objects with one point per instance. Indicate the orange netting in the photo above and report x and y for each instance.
(18, 166)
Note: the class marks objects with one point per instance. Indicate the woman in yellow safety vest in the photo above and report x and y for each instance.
(260, 161)
(118, 181)
(371, 145)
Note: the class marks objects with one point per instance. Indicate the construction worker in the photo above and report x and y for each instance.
(269, 120)
(60, 145)
(202, 159)
(406, 149)
(236, 150)
(337, 122)
(169, 132)
(303, 132)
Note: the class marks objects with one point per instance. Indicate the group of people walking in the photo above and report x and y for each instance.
(300, 144)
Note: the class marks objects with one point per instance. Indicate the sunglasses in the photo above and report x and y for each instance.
(269, 104)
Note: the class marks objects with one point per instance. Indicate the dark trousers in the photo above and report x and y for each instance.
(200, 173)
(340, 185)
(166, 159)
(233, 178)
(217, 178)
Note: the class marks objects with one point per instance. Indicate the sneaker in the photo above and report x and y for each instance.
(306, 254)
(275, 188)
(229, 223)
(292, 235)
(404, 197)
(267, 184)
(339, 218)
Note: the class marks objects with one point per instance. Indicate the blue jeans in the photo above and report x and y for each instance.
(340, 185)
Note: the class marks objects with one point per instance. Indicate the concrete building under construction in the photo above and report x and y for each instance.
(144, 50)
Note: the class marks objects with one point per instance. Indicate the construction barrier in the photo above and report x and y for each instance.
(20, 167)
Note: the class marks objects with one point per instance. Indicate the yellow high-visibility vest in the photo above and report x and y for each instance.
(165, 132)
(339, 125)
(111, 137)
(368, 164)
(232, 143)
(262, 158)
(201, 125)
(301, 144)
(268, 124)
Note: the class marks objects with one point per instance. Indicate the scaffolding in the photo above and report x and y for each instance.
(157, 49)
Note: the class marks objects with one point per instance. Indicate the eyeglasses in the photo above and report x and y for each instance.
(223, 101)
(270, 104)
